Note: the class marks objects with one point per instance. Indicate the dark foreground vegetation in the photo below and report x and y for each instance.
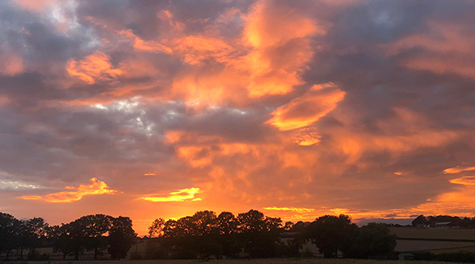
(202, 235)
(252, 234)
(206, 234)
(463, 257)
(93, 232)
(452, 221)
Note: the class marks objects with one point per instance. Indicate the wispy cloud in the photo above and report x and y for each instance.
(456, 170)
(17, 185)
(73, 194)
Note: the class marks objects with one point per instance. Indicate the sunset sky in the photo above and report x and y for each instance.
(297, 109)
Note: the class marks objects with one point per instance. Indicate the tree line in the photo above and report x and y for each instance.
(431, 221)
(250, 234)
(96, 233)
(253, 234)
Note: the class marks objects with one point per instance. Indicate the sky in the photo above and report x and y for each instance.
(297, 109)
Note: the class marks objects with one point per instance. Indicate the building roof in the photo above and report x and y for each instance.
(443, 223)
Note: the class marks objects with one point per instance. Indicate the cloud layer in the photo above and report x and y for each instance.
(294, 108)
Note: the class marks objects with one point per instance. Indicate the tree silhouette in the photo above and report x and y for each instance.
(331, 234)
(260, 234)
(420, 220)
(157, 228)
(228, 231)
(31, 235)
(121, 237)
(95, 228)
(9, 233)
(60, 239)
(371, 240)
(201, 235)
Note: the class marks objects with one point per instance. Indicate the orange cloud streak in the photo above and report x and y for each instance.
(466, 180)
(308, 108)
(94, 67)
(178, 196)
(456, 170)
(96, 187)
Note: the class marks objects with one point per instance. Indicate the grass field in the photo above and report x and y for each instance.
(434, 246)
(434, 240)
(431, 233)
(251, 261)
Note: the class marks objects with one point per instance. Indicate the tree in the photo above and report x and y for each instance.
(121, 237)
(288, 226)
(251, 222)
(204, 223)
(75, 238)
(227, 223)
(260, 234)
(95, 229)
(9, 233)
(170, 229)
(228, 233)
(372, 240)
(59, 238)
(332, 234)
(157, 228)
(420, 220)
(32, 234)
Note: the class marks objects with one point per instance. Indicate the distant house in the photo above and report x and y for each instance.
(443, 225)
(422, 226)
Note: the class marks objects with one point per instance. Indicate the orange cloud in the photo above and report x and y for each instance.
(94, 67)
(231, 166)
(280, 49)
(178, 196)
(267, 59)
(404, 132)
(269, 24)
(36, 6)
(457, 169)
(466, 180)
(306, 137)
(4, 100)
(150, 174)
(96, 187)
(460, 201)
(201, 151)
(308, 108)
(196, 49)
(12, 62)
